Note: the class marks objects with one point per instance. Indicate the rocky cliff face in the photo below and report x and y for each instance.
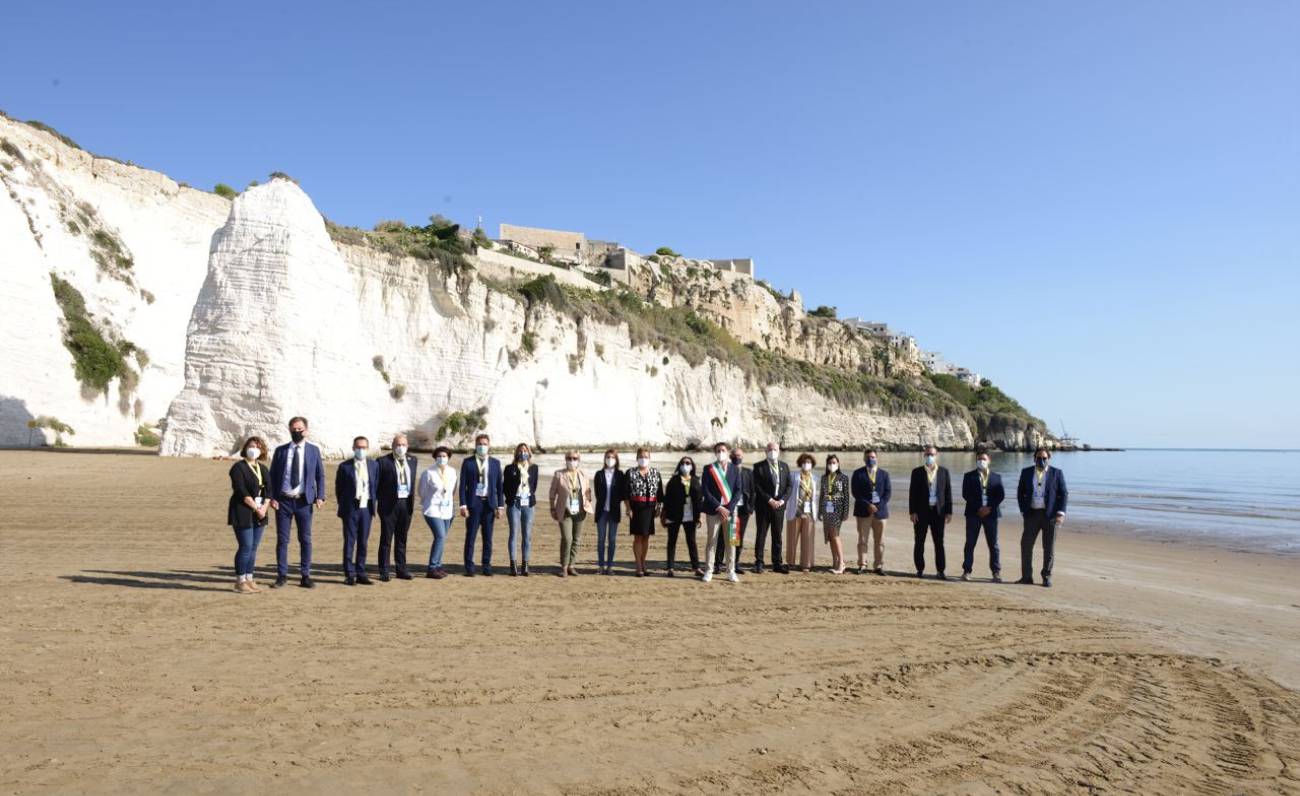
(134, 246)
(368, 343)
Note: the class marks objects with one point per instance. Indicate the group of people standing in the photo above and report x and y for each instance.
(722, 495)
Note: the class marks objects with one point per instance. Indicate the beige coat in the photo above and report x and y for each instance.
(560, 494)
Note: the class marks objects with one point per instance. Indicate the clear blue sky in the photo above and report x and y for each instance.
(1095, 204)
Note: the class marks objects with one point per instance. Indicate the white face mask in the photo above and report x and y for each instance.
(983, 464)
(399, 450)
(481, 450)
(442, 461)
(806, 467)
(572, 463)
(252, 453)
(686, 469)
(833, 467)
(723, 457)
(773, 455)
(358, 453)
(643, 462)
(610, 461)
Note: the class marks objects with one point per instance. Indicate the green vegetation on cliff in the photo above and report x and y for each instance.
(438, 241)
(96, 360)
(988, 406)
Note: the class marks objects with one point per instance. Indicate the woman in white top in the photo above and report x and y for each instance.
(438, 498)
(801, 513)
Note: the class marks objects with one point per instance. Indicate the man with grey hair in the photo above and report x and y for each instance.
(397, 474)
(771, 479)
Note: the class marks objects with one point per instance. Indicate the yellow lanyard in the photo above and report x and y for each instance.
(400, 464)
(871, 476)
(931, 475)
(257, 471)
(1040, 476)
(984, 479)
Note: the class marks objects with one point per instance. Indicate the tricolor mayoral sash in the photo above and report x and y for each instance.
(719, 474)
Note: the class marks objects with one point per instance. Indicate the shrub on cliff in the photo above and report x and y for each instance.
(96, 361)
(225, 191)
(824, 311)
(666, 251)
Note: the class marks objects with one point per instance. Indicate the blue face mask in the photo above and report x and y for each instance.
(871, 462)
(481, 450)
(929, 460)
(1041, 462)
(523, 457)
(358, 453)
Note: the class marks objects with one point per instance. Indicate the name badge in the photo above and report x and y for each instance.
(828, 508)
(444, 502)
(361, 501)
(574, 505)
(875, 496)
(740, 501)
(807, 507)
(403, 491)
(481, 489)
(258, 501)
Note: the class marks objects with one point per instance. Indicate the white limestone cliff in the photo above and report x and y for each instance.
(287, 323)
(60, 207)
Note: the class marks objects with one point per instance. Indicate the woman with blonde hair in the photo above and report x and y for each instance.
(801, 513)
(246, 514)
(519, 483)
(645, 496)
(570, 500)
(833, 501)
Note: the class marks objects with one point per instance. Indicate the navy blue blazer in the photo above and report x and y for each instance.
(713, 496)
(860, 484)
(313, 472)
(496, 495)
(1055, 494)
(345, 487)
(970, 490)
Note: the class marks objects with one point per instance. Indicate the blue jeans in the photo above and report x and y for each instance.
(439, 527)
(521, 521)
(248, 539)
(606, 536)
(989, 525)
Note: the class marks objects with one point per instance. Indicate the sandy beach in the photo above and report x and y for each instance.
(129, 664)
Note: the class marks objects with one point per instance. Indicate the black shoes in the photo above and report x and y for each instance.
(384, 577)
(404, 575)
(307, 582)
(997, 577)
(279, 582)
(487, 572)
(431, 574)
(1047, 582)
(349, 581)
(783, 569)
(920, 573)
(364, 581)
(1026, 581)
(758, 569)
(941, 576)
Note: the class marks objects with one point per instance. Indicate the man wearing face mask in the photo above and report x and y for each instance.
(771, 483)
(982, 490)
(744, 507)
(1042, 497)
(721, 491)
(298, 480)
(871, 493)
(356, 487)
(397, 477)
(482, 501)
(929, 502)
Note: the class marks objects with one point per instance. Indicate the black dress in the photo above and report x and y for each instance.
(644, 492)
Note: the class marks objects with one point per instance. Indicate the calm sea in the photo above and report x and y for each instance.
(1242, 499)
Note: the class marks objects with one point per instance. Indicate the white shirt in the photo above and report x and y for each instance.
(438, 491)
(363, 482)
(302, 463)
(609, 485)
(934, 486)
(1039, 500)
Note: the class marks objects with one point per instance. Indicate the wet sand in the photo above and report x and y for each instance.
(129, 664)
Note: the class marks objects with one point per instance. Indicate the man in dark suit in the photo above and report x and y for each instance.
(720, 490)
(397, 475)
(298, 486)
(744, 507)
(1042, 497)
(871, 490)
(982, 490)
(771, 480)
(355, 490)
(482, 501)
(929, 502)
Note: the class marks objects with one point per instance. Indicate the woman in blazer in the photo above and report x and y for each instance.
(519, 483)
(246, 514)
(645, 494)
(801, 513)
(570, 501)
(438, 503)
(610, 488)
(683, 501)
(833, 501)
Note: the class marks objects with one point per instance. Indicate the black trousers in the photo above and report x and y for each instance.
(768, 519)
(1035, 521)
(932, 521)
(393, 528)
(720, 557)
(673, 529)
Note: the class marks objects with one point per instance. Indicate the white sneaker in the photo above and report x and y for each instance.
(733, 577)
(708, 575)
